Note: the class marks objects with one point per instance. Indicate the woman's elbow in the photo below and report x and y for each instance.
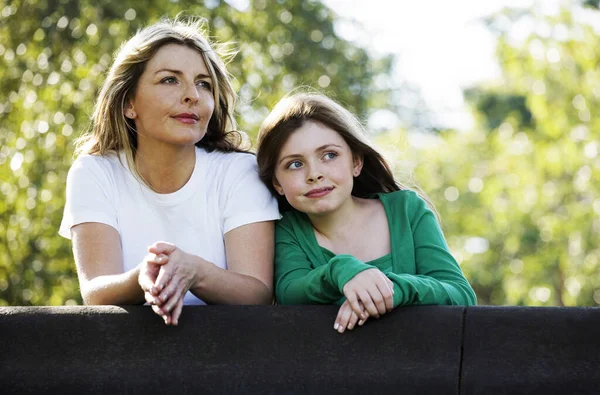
(92, 297)
(94, 294)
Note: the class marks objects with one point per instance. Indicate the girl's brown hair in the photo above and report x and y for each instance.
(292, 112)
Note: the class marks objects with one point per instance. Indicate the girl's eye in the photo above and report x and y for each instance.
(169, 80)
(294, 165)
(330, 155)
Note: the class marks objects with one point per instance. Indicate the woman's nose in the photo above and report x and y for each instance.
(190, 94)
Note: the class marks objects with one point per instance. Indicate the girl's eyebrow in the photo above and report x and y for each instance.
(321, 148)
(179, 72)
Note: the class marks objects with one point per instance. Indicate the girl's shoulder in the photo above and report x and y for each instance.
(293, 222)
(406, 203)
(293, 218)
(404, 197)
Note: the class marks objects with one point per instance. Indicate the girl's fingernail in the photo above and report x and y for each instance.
(336, 326)
(361, 322)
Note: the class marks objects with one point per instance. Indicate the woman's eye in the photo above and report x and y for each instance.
(205, 84)
(330, 155)
(169, 80)
(294, 165)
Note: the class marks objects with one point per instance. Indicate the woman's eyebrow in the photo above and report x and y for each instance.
(179, 72)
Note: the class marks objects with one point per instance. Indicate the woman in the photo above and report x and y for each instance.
(162, 204)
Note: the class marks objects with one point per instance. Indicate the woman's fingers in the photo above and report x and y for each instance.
(172, 294)
(176, 313)
(151, 299)
(149, 271)
(162, 247)
(163, 278)
(165, 316)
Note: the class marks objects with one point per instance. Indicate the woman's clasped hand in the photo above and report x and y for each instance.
(166, 275)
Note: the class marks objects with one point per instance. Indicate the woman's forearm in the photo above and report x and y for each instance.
(113, 289)
(220, 286)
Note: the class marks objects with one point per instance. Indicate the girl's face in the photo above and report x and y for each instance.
(173, 101)
(315, 170)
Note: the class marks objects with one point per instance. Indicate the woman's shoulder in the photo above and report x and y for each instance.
(218, 162)
(96, 163)
(226, 158)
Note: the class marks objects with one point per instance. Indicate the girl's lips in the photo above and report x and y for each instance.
(317, 193)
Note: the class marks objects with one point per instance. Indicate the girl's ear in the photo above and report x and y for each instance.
(358, 165)
(277, 186)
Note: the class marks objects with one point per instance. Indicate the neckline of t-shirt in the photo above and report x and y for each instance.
(183, 193)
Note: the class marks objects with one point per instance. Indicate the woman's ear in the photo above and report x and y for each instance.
(129, 111)
(358, 165)
(277, 186)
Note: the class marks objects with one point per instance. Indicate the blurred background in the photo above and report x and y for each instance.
(491, 109)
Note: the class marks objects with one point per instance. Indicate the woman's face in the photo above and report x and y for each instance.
(173, 101)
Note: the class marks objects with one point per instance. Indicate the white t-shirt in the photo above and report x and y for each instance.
(224, 192)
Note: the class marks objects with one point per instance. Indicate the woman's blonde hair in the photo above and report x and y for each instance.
(111, 131)
(290, 113)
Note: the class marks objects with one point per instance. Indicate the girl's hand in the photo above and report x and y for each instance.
(374, 290)
(347, 318)
(149, 270)
(174, 279)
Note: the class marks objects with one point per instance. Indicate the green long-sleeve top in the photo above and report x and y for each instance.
(420, 264)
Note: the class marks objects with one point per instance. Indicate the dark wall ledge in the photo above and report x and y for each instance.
(294, 349)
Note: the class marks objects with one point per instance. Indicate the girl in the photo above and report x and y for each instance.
(350, 234)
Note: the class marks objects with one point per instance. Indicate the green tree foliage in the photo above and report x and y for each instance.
(517, 195)
(53, 58)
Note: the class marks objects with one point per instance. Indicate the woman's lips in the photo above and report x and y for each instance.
(319, 192)
(187, 118)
